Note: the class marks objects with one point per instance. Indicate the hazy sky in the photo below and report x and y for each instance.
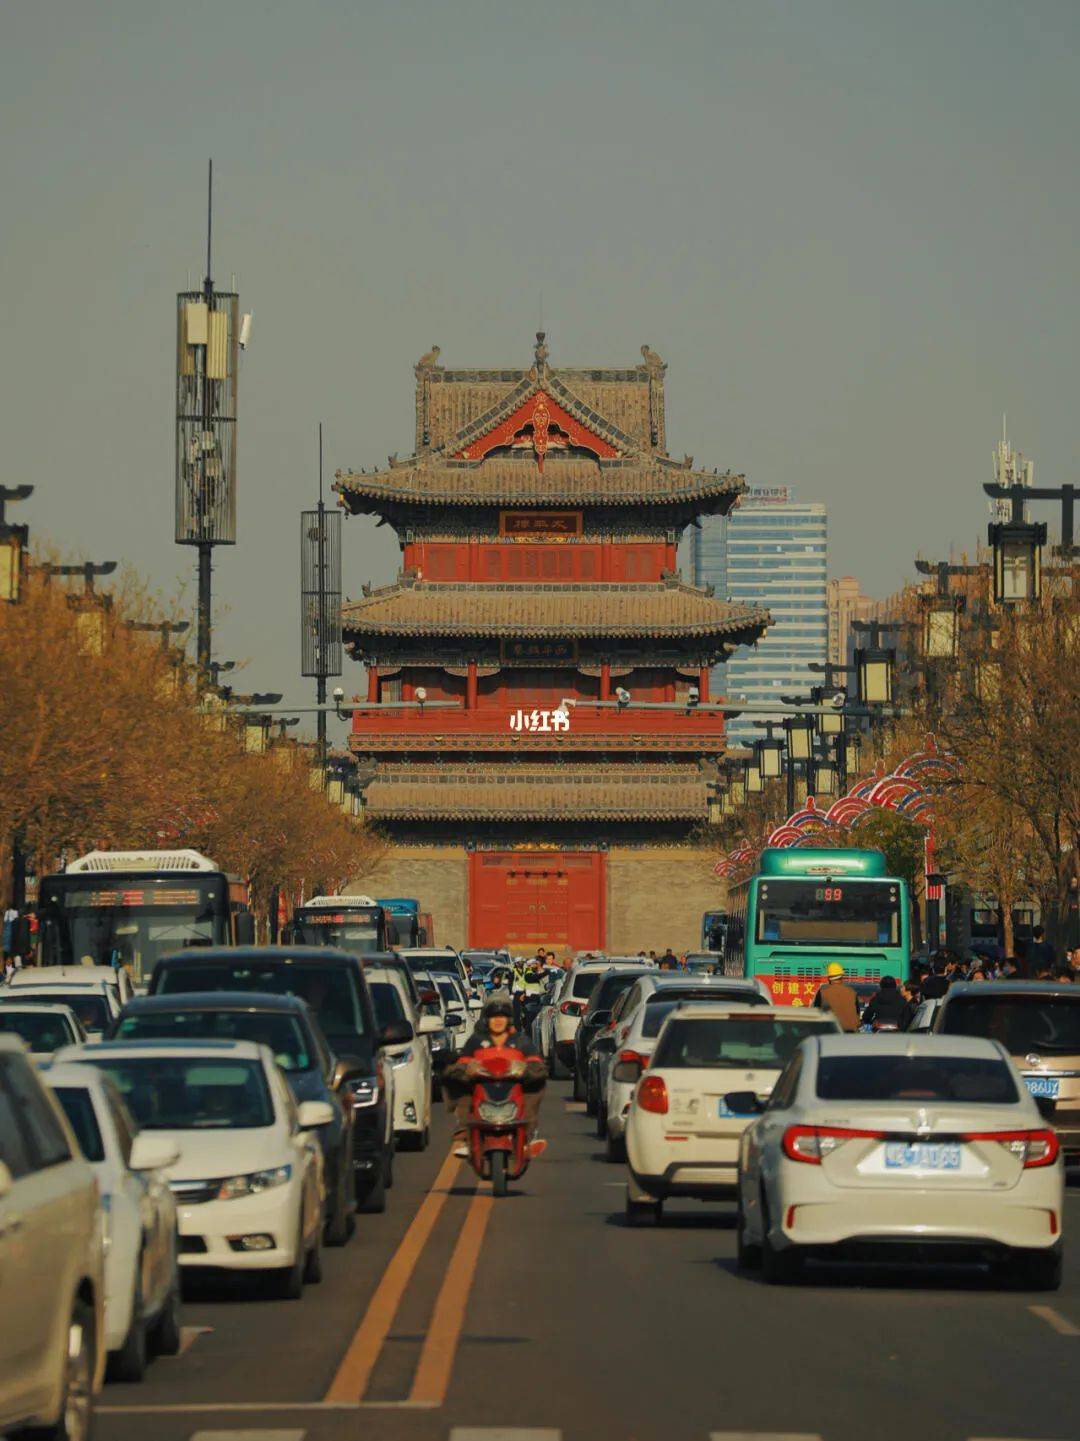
(849, 226)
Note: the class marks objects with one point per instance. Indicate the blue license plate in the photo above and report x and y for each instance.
(1043, 1086)
(922, 1156)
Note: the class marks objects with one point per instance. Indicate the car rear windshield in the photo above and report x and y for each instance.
(609, 991)
(387, 1002)
(659, 1007)
(79, 1109)
(433, 963)
(743, 1042)
(1040, 1024)
(91, 1010)
(970, 1079)
(332, 992)
(41, 1032)
(283, 1034)
(585, 982)
(192, 1093)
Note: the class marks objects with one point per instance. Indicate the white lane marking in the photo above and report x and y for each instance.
(249, 1436)
(1061, 1324)
(504, 1433)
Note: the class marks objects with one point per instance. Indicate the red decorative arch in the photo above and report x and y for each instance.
(539, 424)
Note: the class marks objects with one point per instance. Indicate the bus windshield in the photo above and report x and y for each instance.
(817, 913)
(131, 924)
(359, 931)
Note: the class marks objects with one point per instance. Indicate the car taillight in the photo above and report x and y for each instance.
(1031, 1148)
(572, 1008)
(634, 1057)
(813, 1143)
(652, 1095)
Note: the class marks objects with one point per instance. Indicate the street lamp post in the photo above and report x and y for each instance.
(874, 663)
(1017, 542)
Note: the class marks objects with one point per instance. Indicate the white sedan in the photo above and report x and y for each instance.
(682, 1138)
(873, 1146)
(249, 1182)
(43, 1025)
(142, 1277)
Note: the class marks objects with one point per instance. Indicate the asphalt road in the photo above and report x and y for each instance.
(542, 1314)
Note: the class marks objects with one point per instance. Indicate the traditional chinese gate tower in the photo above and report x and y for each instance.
(538, 522)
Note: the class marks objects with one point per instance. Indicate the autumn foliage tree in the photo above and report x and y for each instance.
(105, 743)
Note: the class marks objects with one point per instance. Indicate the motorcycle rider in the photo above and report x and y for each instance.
(888, 1007)
(495, 1029)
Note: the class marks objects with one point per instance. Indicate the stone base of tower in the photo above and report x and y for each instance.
(619, 900)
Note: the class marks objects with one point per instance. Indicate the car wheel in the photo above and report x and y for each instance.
(129, 1362)
(165, 1332)
(614, 1149)
(436, 1089)
(313, 1260)
(76, 1419)
(289, 1280)
(579, 1089)
(747, 1254)
(1035, 1270)
(341, 1224)
(601, 1119)
(371, 1197)
(779, 1267)
(643, 1213)
(389, 1168)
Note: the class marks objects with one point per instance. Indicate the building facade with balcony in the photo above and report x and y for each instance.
(533, 799)
(771, 551)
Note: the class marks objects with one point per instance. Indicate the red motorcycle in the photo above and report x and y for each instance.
(499, 1147)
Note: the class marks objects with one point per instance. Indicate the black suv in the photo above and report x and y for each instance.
(332, 983)
(288, 1026)
(595, 1016)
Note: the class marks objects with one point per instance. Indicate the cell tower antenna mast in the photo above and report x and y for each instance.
(320, 601)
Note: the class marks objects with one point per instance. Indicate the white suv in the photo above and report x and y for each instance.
(410, 1060)
(562, 1018)
(90, 991)
(249, 1183)
(52, 1281)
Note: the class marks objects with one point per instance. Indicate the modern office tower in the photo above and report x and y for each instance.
(846, 603)
(770, 551)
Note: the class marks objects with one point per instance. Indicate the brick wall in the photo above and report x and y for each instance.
(435, 875)
(656, 898)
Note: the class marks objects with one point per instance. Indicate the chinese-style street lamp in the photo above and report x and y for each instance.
(874, 664)
(1017, 544)
(755, 781)
(829, 722)
(850, 748)
(825, 776)
(799, 730)
(942, 610)
(13, 539)
(769, 754)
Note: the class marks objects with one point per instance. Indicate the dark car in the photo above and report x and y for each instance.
(288, 1026)
(333, 984)
(595, 1017)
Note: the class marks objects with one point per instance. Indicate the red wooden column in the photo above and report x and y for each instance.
(472, 686)
(373, 683)
(703, 683)
(605, 680)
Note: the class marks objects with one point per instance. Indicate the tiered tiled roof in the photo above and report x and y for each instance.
(668, 609)
(494, 791)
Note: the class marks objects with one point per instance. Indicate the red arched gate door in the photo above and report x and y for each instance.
(525, 899)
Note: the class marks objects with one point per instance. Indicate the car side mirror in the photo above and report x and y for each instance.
(455, 1021)
(152, 1153)
(744, 1103)
(627, 1072)
(347, 1068)
(310, 1114)
(1047, 1106)
(599, 1018)
(245, 928)
(430, 1024)
(396, 1033)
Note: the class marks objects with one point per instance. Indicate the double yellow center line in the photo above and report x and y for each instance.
(432, 1377)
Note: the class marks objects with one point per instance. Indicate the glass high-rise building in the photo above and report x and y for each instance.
(771, 551)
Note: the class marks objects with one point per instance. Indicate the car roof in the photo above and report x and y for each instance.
(239, 1050)
(44, 1008)
(429, 951)
(38, 980)
(215, 1001)
(666, 981)
(70, 1073)
(904, 1044)
(67, 973)
(718, 1010)
(252, 955)
(1012, 988)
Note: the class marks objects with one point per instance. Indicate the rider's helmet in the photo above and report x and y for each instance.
(498, 1006)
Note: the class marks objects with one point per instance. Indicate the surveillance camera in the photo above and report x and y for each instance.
(693, 695)
(420, 694)
(837, 700)
(339, 694)
(622, 696)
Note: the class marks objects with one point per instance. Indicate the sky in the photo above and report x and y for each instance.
(849, 227)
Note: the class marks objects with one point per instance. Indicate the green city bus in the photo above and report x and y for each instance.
(807, 907)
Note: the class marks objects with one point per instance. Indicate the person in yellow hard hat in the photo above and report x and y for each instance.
(840, 998)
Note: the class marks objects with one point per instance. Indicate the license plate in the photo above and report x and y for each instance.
(1043, 1086)
(922, 1156)
(724, 1109)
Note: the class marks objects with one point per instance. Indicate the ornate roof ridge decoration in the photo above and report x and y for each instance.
(572, 609)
